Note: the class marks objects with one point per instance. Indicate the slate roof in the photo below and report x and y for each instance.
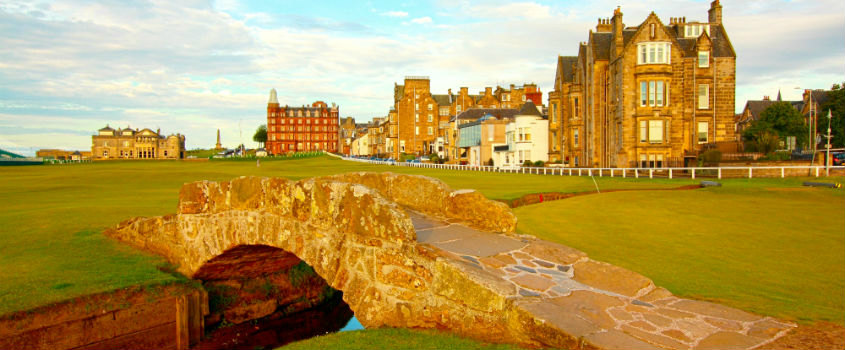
(757, 107)
(475, 113)
(443, 100)
(564, 66)
(529, 108)
(721, 44)
(107, 128)
(601, 45)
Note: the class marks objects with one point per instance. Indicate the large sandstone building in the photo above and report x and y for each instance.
(306, 128)
(649, 95)
(421, 122)
(127, 143)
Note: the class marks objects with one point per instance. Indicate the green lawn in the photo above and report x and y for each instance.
(52, 248)
(771, 250)
(393, 338)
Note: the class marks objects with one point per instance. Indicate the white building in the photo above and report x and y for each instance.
(361, 145)
(527, 138)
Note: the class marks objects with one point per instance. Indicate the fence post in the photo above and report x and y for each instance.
(651, 173)
(693, 173)
(600, 172)
(720, 173)
(624, 172)
(579, 171)
(781, 172)
(570, 171)
(749, 172)
(670, 173)
(637, 173)
(817, 171)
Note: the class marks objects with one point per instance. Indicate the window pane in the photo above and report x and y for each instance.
(651, 93)
(660, 54)
(655, 131)
(659, 93)
(643, 93)
(643, 131)
(643, 54)
(702, 131)
(703, 96)
(651, 53)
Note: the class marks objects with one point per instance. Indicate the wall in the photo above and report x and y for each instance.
(135, 318)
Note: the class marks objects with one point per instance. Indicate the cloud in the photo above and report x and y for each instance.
(395, 14)
(421, 20)
(193, 67)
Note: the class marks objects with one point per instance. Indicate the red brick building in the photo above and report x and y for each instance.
(306, 128)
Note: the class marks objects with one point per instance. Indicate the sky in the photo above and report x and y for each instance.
(68, 68)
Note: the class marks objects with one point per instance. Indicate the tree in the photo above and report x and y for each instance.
(779, 119)
(835, 103)
(260, 135)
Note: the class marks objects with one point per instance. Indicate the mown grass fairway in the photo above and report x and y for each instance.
(744, 244)
(51, 242)
(774, 251)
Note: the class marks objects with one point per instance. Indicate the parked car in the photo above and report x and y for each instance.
(837, 158)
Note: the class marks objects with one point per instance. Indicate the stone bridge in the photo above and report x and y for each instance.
(407, 251)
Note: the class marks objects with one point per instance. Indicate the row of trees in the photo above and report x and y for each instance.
(781, 120)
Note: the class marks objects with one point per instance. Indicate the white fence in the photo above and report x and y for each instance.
(692, 172)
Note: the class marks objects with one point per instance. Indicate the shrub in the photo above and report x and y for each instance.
(539, 163)
(527, 163)
(711, 157)
(490, 162)
(405, 157)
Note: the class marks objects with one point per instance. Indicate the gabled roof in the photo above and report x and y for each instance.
(107, 128)
(601, 45)
(529, 108)
(564, 68)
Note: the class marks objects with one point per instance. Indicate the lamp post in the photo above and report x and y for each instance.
(827, 159)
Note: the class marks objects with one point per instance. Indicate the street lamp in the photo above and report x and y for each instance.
(827, 159)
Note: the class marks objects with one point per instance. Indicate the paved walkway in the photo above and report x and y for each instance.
(604, 305)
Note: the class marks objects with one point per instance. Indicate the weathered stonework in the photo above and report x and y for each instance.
(407, 251)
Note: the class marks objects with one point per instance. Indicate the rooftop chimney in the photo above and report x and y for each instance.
(715, 12)
(617, 24)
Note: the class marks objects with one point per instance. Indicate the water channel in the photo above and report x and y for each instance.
(276, 330)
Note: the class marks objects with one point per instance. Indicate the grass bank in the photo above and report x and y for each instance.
(760, 245)
(393, 338)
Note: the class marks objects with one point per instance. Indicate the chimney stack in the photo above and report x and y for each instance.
(618, 26)
(715, 12)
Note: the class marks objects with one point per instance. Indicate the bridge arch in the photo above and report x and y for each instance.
(355, 232)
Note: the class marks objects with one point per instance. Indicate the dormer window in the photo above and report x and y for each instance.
(695, 30)
(654, 53)
(703, 59)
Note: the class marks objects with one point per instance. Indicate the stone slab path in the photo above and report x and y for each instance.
(604, 305)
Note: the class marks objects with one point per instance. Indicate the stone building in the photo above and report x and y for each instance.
(754, 109)
(60, 154)
(647, 95)
(347, 134)
(306, 128)
(421, 122)
(127, 143)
